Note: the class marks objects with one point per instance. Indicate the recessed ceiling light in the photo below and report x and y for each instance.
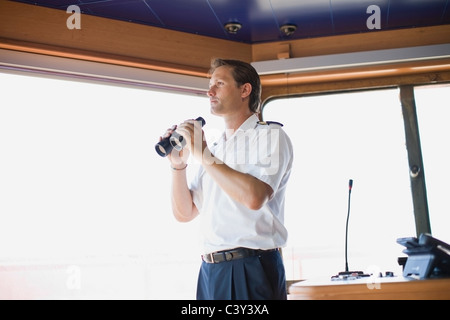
(288, 29)
(233, 27)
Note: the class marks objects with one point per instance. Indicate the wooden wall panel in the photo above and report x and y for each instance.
(43, 30)
(375, 40)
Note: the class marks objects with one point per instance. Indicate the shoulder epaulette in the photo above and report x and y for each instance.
(267, 123)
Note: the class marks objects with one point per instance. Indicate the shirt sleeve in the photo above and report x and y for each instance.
(272, 152)
(196, 187)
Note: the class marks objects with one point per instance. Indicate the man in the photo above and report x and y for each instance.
(238, 192)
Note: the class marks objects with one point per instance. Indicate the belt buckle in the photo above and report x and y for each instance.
(226, 254)
(209, 257)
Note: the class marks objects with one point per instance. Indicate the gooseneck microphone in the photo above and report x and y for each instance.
(347, 273)
(350, 186)
(174, 141)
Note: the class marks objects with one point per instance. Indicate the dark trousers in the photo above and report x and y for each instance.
(260, 277)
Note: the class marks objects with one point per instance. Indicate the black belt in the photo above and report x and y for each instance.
(228, 255)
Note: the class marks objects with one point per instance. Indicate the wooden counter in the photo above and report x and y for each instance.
(371, 288)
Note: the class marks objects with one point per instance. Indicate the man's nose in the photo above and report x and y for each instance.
(210, 92)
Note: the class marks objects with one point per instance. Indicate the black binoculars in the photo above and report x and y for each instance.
(175, 140)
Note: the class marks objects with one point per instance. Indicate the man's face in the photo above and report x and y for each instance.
(224, 94)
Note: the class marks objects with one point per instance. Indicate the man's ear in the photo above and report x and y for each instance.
(246, 90)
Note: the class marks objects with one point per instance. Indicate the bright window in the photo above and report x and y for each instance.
(84, 197)
(338, 137)
(81, 187)
(433, 112)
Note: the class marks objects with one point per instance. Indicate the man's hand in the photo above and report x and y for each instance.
(178, 159)
(192, 132)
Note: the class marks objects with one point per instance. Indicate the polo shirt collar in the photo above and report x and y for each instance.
(250, 123)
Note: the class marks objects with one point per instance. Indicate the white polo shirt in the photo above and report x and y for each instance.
(264, 151)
